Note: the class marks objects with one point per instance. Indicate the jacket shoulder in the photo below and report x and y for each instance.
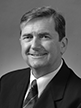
(13, 76)
(74, 85)
(74, 78)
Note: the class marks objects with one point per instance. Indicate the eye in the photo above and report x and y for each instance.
(27, 36)
(44, 36)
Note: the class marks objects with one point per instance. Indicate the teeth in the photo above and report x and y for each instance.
(37, 54)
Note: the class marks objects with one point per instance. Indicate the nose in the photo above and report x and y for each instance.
(36, 44)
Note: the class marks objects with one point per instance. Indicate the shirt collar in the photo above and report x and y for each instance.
(44, 80)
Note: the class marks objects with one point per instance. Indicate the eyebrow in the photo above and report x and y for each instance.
(26, 34)
(44, 33)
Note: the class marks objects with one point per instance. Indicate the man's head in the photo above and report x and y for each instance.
(43, 39)
(45, 12)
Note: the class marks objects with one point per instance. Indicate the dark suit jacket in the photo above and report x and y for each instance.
(64, 91)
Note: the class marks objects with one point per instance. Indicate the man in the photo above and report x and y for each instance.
(43, 42)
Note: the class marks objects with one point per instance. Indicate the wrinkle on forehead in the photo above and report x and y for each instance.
(40, 25)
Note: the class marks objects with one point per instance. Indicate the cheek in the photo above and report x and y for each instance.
(53, 48)
(24, 47)
(49, 46)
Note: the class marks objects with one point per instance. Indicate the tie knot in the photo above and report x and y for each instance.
(34, 84)
(34, 88)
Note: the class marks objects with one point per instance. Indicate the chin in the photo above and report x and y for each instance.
(37, 64)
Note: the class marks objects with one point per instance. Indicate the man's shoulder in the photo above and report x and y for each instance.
(14, 75)
(74, 78)
(73, 85)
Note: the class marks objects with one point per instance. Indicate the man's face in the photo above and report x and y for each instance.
(40, 44)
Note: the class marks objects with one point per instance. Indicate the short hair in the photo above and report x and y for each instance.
(46, 12)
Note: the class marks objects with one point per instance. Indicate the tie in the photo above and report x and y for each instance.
(32, 96)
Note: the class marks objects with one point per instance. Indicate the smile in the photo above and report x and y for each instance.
(38, 55)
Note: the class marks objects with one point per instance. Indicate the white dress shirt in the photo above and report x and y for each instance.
(43, 81)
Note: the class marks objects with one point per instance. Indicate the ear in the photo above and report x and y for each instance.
(63, 45)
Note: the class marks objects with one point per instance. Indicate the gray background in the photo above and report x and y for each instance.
(10, 14)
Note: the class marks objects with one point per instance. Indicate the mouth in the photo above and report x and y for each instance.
(37, 55)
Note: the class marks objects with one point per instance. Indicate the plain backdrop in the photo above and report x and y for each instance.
(10, 14)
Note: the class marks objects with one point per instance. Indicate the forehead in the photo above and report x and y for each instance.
(39, 25)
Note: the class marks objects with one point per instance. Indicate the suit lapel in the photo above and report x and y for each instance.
(54, 92)
(19, 90)
(59, 83)
(22, 88)
(45, 100)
